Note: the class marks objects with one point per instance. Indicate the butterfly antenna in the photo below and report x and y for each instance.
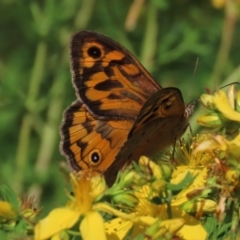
(229, 84)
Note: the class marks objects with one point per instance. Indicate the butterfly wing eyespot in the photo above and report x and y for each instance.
(94, 52)
(95, 157)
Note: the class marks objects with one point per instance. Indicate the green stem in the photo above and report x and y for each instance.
(37, 72)
(235, 221)
(169, 207)
(50, 130)
(22, 153)
(85, 14)
(26, 127)
(49, 137)
(150, 37)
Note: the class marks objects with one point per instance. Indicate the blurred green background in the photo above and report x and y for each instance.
(168, 37)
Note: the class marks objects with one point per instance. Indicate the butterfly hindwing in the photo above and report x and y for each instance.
(88, 142)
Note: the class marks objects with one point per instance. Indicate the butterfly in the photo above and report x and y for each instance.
(120, 113)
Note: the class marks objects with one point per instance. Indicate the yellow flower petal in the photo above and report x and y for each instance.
(57, 220)
(146, 220)
(155, 228)
(81, 186)
(213, 142)
(181, 171)
(198, 182)
(6, 210)
(192, 226)
(145, 161)
(187, 232)
(218, 142)
(207, 101)
(234, 146)
(98, 186)
(170, 226)
(108, 209)
(221, 102)
(92, 227)
(117, 228)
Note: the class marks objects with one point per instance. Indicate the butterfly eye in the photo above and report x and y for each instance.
(95, 157)
(94, 52)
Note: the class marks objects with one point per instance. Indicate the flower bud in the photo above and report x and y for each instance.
(7, 211)
(233, 177)
(207, 101)
(159, 229)
(203, 205)
(211, 120)
(126, 199)
(128, 178)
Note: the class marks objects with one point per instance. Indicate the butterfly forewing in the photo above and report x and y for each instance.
(107, 78)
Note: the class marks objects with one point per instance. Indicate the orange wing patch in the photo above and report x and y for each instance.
(88, 142)
(107, 78)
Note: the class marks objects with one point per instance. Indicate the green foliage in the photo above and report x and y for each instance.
(35, 85)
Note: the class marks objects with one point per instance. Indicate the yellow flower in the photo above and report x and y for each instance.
(146, 208)
(222, 103)
(219, 142)
(81, 205)
(191, 159)
(199, 182)
(151, 219)
(152, 227)
(223, 110)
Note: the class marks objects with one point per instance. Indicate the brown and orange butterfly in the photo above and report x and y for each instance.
(120, 113)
